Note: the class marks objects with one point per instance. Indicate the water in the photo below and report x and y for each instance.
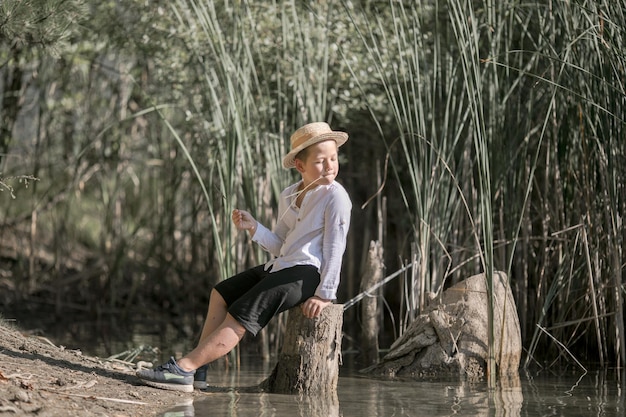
(554, 392)
(593, 394)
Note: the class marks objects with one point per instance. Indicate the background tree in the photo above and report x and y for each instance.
(494, 125)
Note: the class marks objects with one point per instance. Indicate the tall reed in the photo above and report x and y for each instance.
(488, 96)
(437, 107)
(503, 122)
(422, 136)
(251, 104)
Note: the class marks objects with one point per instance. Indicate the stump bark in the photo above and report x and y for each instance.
(311, 354)
(370, 311)
(451, 338)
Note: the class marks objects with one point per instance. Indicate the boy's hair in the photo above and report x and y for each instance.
(303, 154)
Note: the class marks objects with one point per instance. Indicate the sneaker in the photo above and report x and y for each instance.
(168, 376)
(199, 379)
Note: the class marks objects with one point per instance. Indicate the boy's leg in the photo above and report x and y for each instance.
(257, 301)
(219, 327)
(215, 316)
(217, 344)
(276, 292)
(254, 297)
(179, 375)
(233, 288)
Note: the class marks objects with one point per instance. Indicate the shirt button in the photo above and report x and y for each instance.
(298, 218)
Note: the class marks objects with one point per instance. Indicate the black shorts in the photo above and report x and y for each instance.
(255, 296)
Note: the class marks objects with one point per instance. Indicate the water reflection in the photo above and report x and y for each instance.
(236, 404)
(427, 398)
(594, 394)
(598, 394)
(185, 409)
(508, 397)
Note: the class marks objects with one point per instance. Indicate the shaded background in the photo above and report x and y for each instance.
(483, 135)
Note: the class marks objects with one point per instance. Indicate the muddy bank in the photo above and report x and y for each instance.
(40, 379)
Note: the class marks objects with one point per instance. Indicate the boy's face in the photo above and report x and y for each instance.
(321, 164)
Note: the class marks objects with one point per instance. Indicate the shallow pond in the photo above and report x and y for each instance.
(541, 394)
(554, 392)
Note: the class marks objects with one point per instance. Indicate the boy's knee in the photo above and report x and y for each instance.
(234, 324)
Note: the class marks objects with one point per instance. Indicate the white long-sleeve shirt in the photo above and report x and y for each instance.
(314, 234)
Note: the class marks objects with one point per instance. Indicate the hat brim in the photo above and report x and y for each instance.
(289, 161)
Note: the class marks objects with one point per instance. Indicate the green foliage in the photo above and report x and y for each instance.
(148, 122)
(486, 102)
(39, 23)
(5, 183)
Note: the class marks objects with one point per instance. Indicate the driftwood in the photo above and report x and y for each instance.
(451, 339)
(311, 354)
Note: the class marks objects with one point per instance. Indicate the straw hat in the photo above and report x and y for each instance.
(311, 134)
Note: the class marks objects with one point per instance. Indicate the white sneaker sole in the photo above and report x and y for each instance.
(170, 387)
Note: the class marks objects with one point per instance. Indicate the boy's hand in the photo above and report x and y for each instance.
(313, 307)
(244, 221)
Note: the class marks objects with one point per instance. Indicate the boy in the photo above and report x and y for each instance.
(307, 243)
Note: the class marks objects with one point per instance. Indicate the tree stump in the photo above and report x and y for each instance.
(311, 354)
(450, 339)
(370, 310)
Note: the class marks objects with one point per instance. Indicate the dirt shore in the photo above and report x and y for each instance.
(40, 379)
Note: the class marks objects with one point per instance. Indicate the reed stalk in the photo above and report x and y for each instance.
(465, 26)
(252, 105)
(503, 123)
(506, 87)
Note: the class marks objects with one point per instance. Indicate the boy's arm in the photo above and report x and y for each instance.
(259, 233)
(267, 239)
(336, 225)
(272, 241)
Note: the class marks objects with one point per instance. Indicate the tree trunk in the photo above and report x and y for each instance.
(311, 354)
(369, 305)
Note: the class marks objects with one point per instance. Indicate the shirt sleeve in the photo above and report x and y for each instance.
(267, 239)
(272, 241)
(336, 225)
